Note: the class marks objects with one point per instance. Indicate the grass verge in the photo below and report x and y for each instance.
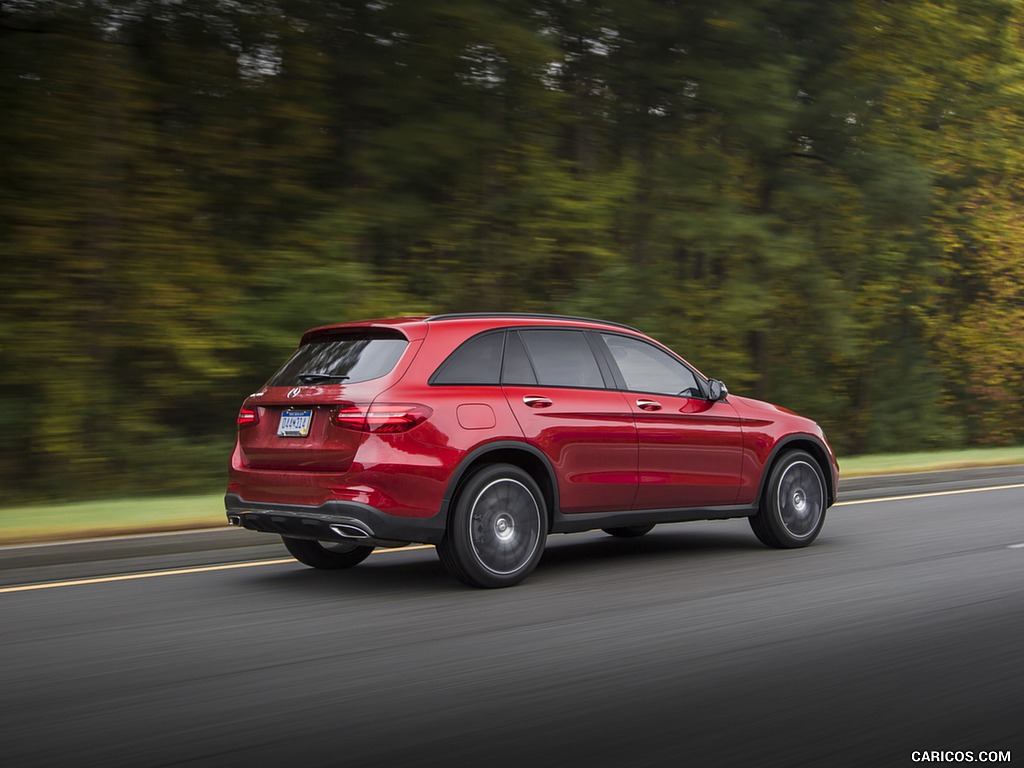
(93, 519)
(930, 461)
(62, 522)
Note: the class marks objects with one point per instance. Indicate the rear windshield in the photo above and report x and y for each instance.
(342, 359)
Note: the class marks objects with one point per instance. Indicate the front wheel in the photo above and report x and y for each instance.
(497, 528)
(326, 555)
(793, 507)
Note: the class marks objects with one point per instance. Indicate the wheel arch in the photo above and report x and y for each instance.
(519, 454)
(801, 442)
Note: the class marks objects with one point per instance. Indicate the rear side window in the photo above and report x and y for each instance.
(477, 361)
(562, 359)
(342, 359)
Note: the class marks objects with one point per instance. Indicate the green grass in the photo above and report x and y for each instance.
(90, 519)
(859, 466)
(57, 522)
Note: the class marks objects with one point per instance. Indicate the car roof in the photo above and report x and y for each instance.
(415, 326)
(529, 318)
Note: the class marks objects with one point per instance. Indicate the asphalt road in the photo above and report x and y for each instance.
(900, 630)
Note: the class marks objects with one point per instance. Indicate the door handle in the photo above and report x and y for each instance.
(648, 405)
(536, 401)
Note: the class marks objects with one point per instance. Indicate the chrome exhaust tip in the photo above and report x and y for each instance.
(350, 532)
(234, 520)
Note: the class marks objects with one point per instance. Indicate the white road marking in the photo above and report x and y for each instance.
(120, 537)
(929, 495)
(1016, 546)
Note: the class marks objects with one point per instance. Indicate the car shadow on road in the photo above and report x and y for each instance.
(420, 571)
(571, 552)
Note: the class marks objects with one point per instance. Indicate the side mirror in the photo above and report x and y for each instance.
(718, 391)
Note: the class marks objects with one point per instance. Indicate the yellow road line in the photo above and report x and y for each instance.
(175, 572)
(149, 575)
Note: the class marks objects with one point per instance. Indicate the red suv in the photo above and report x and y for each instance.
(483, 433)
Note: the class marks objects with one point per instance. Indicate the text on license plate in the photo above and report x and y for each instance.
(294, 423)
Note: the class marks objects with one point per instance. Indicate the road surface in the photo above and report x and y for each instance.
(900, 630)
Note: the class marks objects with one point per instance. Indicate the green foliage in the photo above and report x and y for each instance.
(817, 202)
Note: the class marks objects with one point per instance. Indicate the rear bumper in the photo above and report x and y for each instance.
(334, 521)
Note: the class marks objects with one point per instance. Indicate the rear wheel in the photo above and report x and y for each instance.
(497, 528)
(326, 555)
(629, 531)
(793, 506)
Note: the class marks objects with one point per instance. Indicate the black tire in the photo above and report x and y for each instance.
(629, 531)
(793, 506)
(326, 555)
(496, 528)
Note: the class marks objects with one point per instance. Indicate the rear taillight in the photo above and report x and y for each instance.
(385, 418)
(247, 416)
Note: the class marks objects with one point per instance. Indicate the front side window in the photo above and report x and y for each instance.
(649, 369)
(344, 358)
(562, 359)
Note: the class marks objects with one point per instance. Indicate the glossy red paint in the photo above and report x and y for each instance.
(589, 437)
(691, 452)
(766, 427)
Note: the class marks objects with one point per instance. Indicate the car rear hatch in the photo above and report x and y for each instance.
(306, 418)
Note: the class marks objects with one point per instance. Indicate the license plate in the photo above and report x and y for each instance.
(294, 423)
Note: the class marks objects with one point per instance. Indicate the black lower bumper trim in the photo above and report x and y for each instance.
(335, 521)
(575, 522)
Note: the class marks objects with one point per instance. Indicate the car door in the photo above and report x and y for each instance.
(565, 407)
(690, 448)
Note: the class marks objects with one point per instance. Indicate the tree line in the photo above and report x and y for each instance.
(819, 203)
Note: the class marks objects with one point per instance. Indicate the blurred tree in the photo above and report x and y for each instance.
(818, 202)
(112, 290)
(943, 122)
